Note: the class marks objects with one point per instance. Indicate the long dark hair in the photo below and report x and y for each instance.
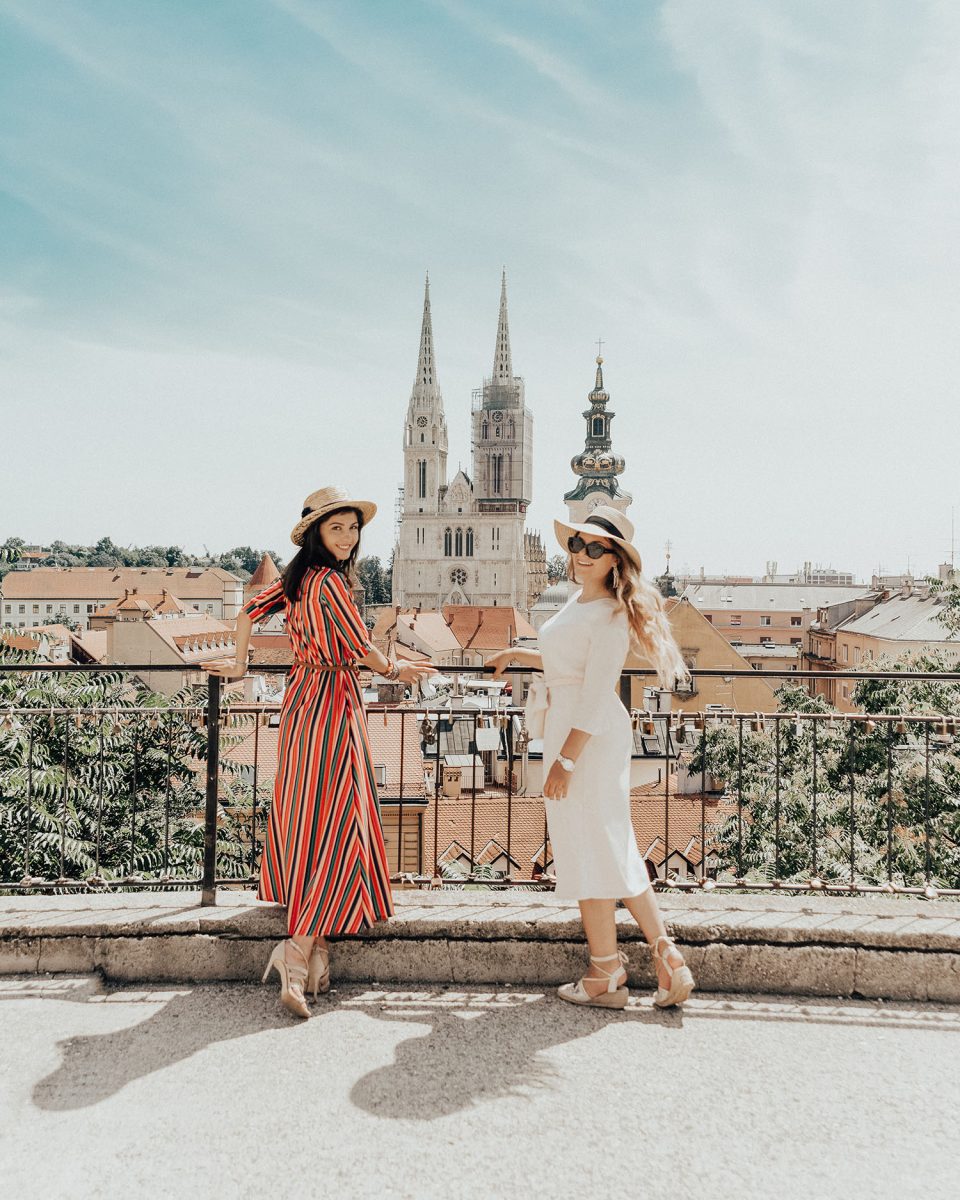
(313, 553)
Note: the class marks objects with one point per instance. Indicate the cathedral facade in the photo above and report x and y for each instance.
(464, 541)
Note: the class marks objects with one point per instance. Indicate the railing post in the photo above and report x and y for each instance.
(209, 895)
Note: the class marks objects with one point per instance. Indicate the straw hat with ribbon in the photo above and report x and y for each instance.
(605, 522)
(324, 501)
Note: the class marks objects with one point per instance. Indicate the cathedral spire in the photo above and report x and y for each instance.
(426, 381)
(502, 363)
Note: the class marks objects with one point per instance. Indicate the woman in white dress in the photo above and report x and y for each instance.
(588, 742)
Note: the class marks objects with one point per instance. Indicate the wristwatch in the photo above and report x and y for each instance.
(567, 763)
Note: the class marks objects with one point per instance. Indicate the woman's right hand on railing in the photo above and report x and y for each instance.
(226, 668)
(501, 660)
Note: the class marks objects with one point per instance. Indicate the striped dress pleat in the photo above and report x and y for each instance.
(324, 856)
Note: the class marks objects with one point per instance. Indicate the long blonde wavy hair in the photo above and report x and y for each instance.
(650, 632)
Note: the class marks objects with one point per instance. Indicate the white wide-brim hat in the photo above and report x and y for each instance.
(327, 500)
(608, 522)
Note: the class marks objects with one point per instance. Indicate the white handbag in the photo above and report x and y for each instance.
(535, 711)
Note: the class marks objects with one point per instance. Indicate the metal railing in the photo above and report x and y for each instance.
(97, 795)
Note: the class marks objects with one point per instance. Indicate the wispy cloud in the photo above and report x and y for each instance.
(229, 210)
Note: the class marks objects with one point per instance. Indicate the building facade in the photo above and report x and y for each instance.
(464, 541)
(883, 625)
(47, 594)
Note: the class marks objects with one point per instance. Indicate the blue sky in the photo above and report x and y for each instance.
(215, 219)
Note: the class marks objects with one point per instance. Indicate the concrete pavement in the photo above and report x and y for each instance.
(469, 1093)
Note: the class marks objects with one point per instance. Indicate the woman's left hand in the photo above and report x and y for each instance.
(413, 672)
(557, 783)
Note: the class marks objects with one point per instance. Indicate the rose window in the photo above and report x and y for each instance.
(458, 576)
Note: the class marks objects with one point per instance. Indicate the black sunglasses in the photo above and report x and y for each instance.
(593, 549)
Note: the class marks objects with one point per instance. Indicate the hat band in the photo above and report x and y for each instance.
(603, 523)
(304, 513)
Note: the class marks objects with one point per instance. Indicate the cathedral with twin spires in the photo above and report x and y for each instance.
(465, 542)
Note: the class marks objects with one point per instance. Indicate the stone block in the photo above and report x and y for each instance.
(414, 960)
(193, 958)
(21, 956)
(541, 963)
(908, 975)
(784, 970)
(68, 955)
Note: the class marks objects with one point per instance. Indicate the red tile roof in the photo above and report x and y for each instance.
(384, 750)
(271, 648)
(486, 628)
(133, 600)
(96, 583)
(488, 820)
(263, 576)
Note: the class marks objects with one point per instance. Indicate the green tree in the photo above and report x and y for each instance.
(557, 568)
(110, 791)
(371, 575)
(844, 789)
(948, 611)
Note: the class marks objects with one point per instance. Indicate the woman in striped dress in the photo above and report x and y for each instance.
(324, 856)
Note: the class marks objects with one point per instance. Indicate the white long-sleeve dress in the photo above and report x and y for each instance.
(594, 847)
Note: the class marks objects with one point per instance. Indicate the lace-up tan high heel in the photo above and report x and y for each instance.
(292, 978)
(615, 995)
(318, 975)
(681, 978)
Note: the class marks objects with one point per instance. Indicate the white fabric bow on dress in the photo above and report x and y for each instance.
(535, 711)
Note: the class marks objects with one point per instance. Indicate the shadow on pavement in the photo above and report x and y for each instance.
(474, 1051)
(480, 1045)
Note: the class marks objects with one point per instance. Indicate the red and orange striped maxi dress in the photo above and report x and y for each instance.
(324, 856)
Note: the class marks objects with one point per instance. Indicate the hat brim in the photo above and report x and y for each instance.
(366, 508)
(563, 530)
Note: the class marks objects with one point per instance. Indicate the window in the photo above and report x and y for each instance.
(469, 543)
(49, 608)
(846, 655)
(380, 774)
(846, 692)
(735, 620)
(35, 608)
(856, 656)
(598, 426)
(766, 620)
(447, 542)
(709, 617)
(458, 543)
(496, 473)
(89, 608)
(766, 639)
(21, 608)
(795, 641)
(484, 430)
(756, 666)
(7, 608)
(796, 621)
(421, 478)
(76, 608)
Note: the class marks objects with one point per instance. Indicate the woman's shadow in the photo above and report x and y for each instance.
(479, 1046)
